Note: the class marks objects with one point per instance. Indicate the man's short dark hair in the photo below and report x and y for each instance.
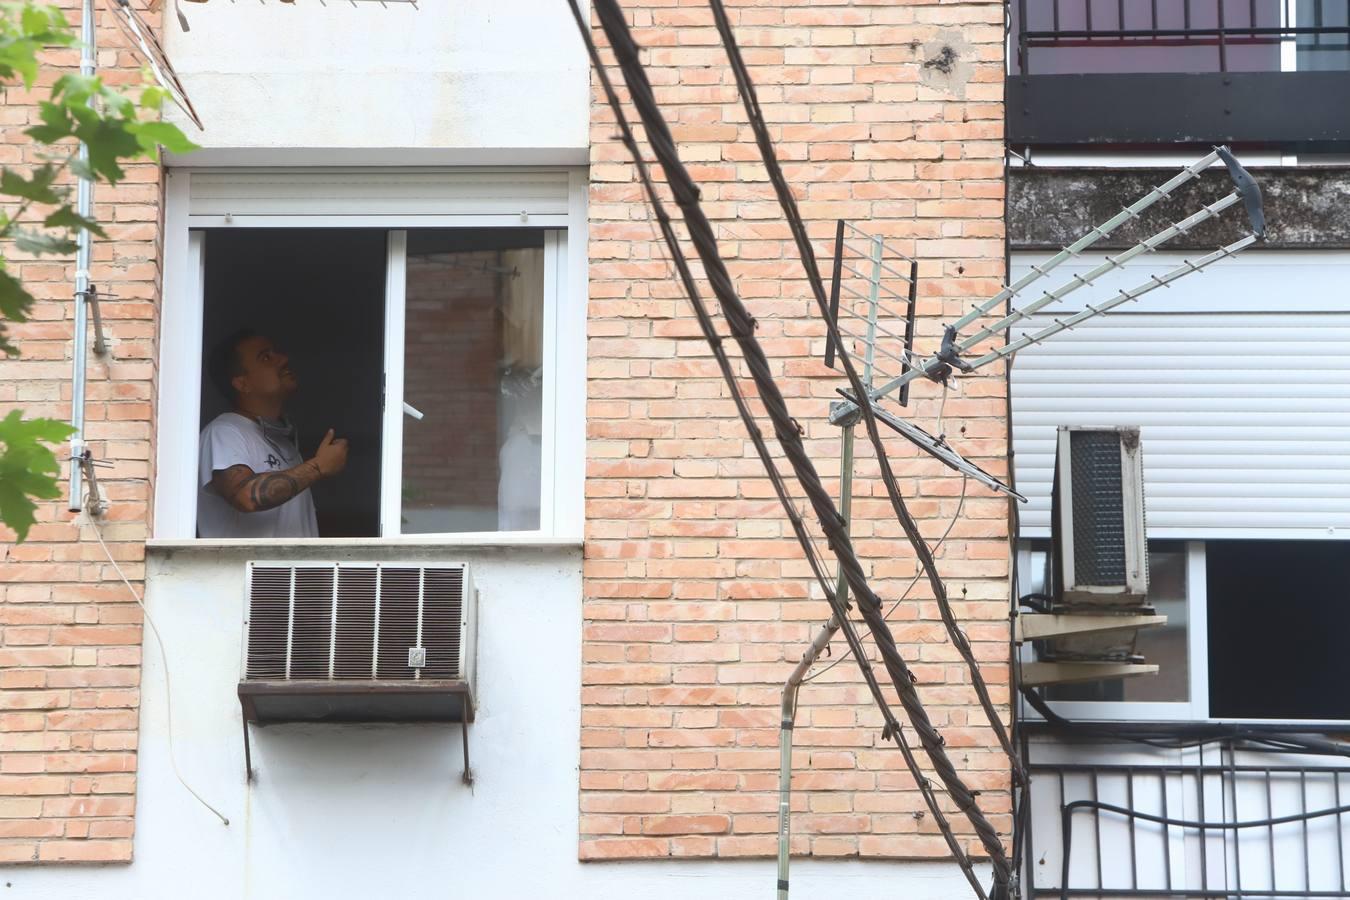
(224, 364)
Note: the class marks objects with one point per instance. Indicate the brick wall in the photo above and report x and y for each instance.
(696, 598)
(450, 372)
(70, 635)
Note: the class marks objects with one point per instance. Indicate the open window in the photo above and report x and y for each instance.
(1177, 590)
(433, 317)
(426, 348)
(1254, 633)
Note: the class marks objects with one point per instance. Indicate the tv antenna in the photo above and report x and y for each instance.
(873, 298)
(949, 357)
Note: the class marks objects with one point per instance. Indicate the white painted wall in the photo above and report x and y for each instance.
(510, 74)
(375, 812)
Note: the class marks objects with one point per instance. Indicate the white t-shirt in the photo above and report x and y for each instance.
(231, 440)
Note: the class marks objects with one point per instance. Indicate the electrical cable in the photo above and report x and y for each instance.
(786, 428)
(1037, 602)
(942, 406)
(756, 435)
(164, 661)
(1184, 735)
(704, 319)
(868, 603)
(1066, 826)
(909, 587)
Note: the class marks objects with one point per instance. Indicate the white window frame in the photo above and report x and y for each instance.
(395, 326)
(181, 363)
(1196, 709)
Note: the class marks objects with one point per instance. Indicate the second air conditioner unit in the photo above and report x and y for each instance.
(358, 642)
(1099, 577)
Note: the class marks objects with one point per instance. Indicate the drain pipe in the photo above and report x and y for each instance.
(794, 682)
(84, 202)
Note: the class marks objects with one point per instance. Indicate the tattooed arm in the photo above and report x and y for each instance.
(249, 491)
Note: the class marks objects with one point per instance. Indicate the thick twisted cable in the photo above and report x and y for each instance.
(715, 343)
(789, 205)
(786, 428)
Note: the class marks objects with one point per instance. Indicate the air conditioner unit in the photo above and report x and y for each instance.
(1100, 549)
(358, 642)
(1099, 577)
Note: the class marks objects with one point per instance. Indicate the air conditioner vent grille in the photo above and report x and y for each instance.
(443, 622)
(1098, 508)
(354, 621)
(268, 616)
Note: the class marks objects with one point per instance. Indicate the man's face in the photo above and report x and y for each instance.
(266, 370)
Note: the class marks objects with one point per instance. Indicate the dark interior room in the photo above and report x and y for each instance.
(319, 295)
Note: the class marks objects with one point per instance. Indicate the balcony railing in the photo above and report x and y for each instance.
(1218, 819)
(1085, 36)
(1272, 72)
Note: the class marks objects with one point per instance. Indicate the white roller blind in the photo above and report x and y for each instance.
(1245, 415)
(365, 192)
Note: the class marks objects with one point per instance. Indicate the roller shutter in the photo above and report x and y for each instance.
(1239, 379)
(368, 192)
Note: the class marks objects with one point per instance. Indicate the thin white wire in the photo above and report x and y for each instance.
(942, 406)
(164, 660)
(915, 580)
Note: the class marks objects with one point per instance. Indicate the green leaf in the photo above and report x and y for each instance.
(75, 87)
(14, 300)
(39, 189)
(28, 468)
(56, 123)
(66, 217)
(108, 144)
(153, 97)
(42, 243)
(45, 24)
(19, 57)
(161, 134)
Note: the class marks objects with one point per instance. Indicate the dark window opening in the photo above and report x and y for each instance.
(1279, 617)
(319, 295)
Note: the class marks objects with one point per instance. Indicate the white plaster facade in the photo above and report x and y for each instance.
(380, 811)
(493, 82)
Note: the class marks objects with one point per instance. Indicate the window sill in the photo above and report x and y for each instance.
(474, 541)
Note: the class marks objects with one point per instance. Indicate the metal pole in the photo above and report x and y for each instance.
(84, 202)
(827, 631)
(794, 682)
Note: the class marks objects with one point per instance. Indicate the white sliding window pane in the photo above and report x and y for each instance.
(1165, 646)
(473, 369)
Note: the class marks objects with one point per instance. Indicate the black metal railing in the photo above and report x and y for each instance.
(1217, 819)
(1219, 28)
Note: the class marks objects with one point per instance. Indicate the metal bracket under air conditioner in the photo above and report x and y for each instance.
(356, 702)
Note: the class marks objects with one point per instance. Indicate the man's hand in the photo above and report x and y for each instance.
(331, 457)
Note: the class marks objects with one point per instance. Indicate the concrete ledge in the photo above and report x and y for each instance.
(319, 546)
(1307, 207)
